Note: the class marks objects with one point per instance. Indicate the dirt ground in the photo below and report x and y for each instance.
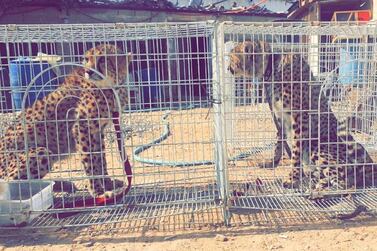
(355, 235)
(192, 139)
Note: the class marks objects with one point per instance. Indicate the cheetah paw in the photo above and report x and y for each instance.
(111, 185)
(64, 186)
(289, 184)
(267, 165)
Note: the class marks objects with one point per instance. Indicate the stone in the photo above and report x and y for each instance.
(88, 244)
(221, 237)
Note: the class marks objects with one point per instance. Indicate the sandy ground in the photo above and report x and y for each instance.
(355, 235)
(192, 139)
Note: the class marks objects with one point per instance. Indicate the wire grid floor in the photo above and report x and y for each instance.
(212, 218)
(139, 206)
(200, 208)
(207, 220)
(281, 201)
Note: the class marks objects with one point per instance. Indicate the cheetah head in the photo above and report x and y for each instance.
(249, 59)
(108, 60)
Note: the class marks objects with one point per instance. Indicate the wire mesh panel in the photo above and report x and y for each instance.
(133, 122)
(299, 109)
(73, 97)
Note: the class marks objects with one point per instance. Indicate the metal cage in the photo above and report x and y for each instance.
(196, 118)
(306, 92)
(166, 124)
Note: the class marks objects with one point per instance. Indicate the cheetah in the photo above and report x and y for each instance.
(304, 120)
(71, 119)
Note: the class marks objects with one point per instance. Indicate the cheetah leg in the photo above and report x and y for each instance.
(364, 171)
(296, 175)
(344, 166)
(280, 146)
(64, 186)
(39, 163)
(334, 177)
(90, 144)
(367, 176)
(330, 173)
(37, 160)
(350, 168)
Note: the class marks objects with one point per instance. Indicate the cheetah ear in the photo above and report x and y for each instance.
(106, 51)
(106, 60)
(248, 49)
(265, 46)
(266, 53)
(101, 64)
(129, 57)
(124, 60)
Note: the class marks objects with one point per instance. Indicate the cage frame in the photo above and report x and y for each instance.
(222, 101)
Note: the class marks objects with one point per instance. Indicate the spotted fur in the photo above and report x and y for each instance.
(70, 119)
(304, 120)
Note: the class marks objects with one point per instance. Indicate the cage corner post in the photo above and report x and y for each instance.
(219, 119)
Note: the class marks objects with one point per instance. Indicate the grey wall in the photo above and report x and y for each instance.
(50, 15)
(278, 6)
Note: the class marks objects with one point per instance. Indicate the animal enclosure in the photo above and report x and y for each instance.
(193, 105)
(307, 94)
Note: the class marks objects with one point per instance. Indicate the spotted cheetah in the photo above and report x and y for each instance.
(71, 119)
(304, 120)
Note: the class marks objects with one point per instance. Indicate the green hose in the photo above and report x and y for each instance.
(166, 133)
